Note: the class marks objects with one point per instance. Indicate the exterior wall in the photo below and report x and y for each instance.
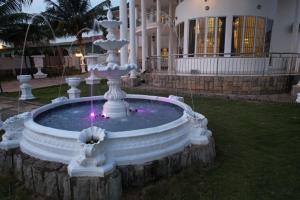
(237, 85)
(282, 36)
(222, 8)
(196, 8)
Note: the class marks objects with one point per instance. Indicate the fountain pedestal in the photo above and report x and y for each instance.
(26, 89)
(116, 106)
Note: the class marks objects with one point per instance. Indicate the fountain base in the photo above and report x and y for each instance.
(116, 109)
(51, 179)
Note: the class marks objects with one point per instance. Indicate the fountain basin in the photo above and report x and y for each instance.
(121, 148)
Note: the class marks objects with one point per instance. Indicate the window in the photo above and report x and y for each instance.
(207, 35)
(237, 35)
(180, 36)
(211, 24)
(221, 35)
(192, 29)
(251, 35)
(268, 35)
(200, 35)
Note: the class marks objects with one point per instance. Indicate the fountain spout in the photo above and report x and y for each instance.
(116, 106)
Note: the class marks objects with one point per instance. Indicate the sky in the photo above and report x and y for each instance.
(39, 5)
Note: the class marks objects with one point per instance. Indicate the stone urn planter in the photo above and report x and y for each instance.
(92, 61)
(298, 98)
(39, 64)
(26, 89)
(73, 82)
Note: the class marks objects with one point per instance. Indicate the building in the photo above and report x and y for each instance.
(215, 37)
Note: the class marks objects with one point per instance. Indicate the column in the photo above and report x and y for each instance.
(132, 36)
(144, 35)
(186, 38)
(228, 35)
(123, 31)
(171, 57)
(158, 34)
(294, 45)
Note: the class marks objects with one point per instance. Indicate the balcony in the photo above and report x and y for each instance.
(151, 22)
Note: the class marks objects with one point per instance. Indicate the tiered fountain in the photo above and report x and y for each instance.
(138, 135)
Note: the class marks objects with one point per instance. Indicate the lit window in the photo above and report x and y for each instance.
(251, 35)
(180, 37)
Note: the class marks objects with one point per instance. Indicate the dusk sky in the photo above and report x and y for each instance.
(39, 5)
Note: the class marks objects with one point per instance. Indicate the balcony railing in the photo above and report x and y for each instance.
(151, 18)
(226, 64)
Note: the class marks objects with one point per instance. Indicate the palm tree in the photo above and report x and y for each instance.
(73, 17)
(14, 23)
(12, 6)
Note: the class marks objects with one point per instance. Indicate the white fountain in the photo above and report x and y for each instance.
(116, 106)
(136, 136)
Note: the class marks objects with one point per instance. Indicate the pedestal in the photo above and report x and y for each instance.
(74, 93)
(116, 106)
(26, 89)
(295, 90)
(73, 82)
(40, 74)
(82, 67)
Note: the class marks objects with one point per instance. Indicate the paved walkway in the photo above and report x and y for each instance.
(13, 86)
(10, 106)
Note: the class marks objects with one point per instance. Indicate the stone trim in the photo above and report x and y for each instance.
(237, 85)
(51, 179)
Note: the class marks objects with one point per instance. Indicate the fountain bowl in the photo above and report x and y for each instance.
(73, 81)
(120, 148)
(111, 44)
(23, 78)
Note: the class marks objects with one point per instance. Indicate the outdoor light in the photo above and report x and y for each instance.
(79, 54)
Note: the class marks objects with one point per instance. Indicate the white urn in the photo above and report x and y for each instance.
(39, 64)
(73, 82)
(26, 89)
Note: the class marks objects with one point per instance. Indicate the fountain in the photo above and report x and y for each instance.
(135, 135)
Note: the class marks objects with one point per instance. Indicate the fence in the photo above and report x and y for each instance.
(226, 64)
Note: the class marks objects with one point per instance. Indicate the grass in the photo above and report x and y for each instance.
(258, 152)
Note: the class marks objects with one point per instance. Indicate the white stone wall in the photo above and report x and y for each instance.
(282, 36)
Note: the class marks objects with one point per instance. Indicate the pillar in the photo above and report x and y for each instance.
(228, 35)
(158, 34)
(123, 31)
(144, 35)
(133, 59)
(171, 56)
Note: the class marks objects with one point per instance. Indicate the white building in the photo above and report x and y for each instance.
(188, 40)
(214, 36)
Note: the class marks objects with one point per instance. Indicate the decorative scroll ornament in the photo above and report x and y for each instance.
(13, 127)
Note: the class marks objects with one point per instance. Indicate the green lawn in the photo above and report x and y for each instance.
(258, 152)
